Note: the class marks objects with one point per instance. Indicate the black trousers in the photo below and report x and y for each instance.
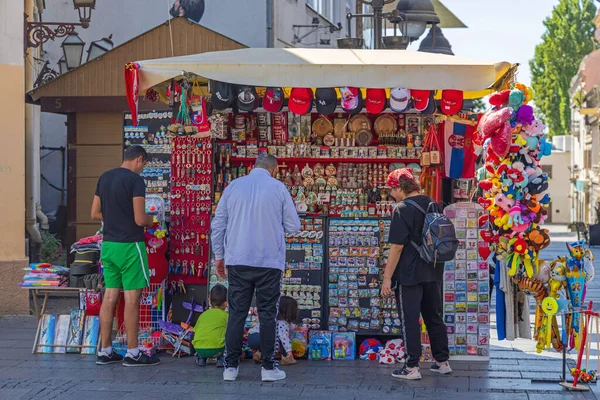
(422, 299)
(244, 283)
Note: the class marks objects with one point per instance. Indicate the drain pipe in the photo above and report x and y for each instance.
(32, 158)
(270, 32)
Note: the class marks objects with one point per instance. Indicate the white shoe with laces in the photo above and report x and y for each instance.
(272, 375)
(230, 374)
(442, 368)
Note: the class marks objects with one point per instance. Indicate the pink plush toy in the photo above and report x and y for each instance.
(534, 128)
(504, 202)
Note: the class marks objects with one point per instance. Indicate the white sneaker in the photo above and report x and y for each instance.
(441, 368)
(272, 375)
(230, 374)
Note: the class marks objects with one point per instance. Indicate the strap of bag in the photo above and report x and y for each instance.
(418, 207)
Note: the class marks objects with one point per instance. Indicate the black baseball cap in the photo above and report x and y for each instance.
(222, 95)
(246, 99)
(326, 100)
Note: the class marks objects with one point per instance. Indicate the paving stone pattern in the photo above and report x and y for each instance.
(514, 372)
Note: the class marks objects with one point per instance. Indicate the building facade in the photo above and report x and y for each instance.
(585, 130)
(253, 23)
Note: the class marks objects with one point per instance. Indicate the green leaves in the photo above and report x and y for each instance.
(569, 37)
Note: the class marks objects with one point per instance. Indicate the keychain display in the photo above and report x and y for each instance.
(152, 135)
(191, 206)
(356, 259)
(467, 285)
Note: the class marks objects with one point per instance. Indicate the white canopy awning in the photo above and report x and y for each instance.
(298, 67)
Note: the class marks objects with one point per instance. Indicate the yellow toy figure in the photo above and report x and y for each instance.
(558, 277)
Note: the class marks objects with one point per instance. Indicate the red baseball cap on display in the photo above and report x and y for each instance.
(375, 101)
(393, 179)
(300, 101)
(420, 98)
(273, 100)
(452, 101)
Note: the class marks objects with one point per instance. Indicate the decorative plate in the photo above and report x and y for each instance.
(308, 182)
(339, 127)
(329, 140)
(332, 181)
(395, 166)
(320, 181)
(364, 137)
(307, 172)
(318, 170)
(358, 122)
(322, 126)
(385, 123)
(330, 170)
(416, 168)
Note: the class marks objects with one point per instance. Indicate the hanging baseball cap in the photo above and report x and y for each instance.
(222, 95)
(375, 101)
(300, 101)
(399, 99)
(393, 179)
(273, 100)
(420, 98)
(247, 99)
(352, 101)
(326, 100)
(452, 101)
(431, 105)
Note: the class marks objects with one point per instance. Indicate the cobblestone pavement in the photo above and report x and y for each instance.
(514, 372)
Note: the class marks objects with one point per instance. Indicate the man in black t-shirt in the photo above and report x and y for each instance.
(120, 203)
(419, 284)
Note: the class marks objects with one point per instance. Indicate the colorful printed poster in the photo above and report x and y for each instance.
(75, 334)
(90, 337)
(61, 332)
(47, 329)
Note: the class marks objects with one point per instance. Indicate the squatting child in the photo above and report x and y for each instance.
(209, 332)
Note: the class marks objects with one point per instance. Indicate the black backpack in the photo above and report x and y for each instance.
(439, 243)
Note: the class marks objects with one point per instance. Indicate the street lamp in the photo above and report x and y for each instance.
(378, 17)
(37, 33)
(436, 42)
(418, 13)
(62, 66)
(99, 47)
(73, 50)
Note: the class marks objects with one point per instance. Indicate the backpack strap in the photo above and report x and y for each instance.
(418, 207)
(414, 204)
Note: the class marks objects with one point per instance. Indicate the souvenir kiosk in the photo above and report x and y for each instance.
(338, 122)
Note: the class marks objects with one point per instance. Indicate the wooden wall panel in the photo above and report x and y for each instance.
(104, 76)
(84, 230)
(92, 161)
(86, 187)
(100, 128)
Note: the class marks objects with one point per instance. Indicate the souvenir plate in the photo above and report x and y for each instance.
(385, 123)
(329, 140)
(322, 126)
(395, 166)
(364, 137)
(318, 170)
(330, 170)
(307, 172)
(358, 122)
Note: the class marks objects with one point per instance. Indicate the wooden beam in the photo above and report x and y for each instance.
(66, 105)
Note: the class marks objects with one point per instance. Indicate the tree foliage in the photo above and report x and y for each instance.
(569, 37)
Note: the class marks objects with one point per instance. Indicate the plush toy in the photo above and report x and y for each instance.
(538, 184)
(500, 98)
(590, 271)
(538, 239)
(369, 349)
(516, 98)
(558, 277)
(545, 148)
(525, 115)
(534, 128)
(543, 272)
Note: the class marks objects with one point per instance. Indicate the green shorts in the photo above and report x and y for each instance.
(125, 265)
(210, 353)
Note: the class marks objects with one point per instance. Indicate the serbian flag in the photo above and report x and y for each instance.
(459, 152)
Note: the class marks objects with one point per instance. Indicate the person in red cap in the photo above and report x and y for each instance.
(418, 285)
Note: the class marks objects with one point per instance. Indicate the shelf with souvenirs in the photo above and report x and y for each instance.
(151, 133)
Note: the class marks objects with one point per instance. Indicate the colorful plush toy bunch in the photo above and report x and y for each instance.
(584, 376)
(515, 186)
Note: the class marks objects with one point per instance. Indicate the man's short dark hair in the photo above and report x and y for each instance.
(218, 296)
(133, 152)
(407, 185)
